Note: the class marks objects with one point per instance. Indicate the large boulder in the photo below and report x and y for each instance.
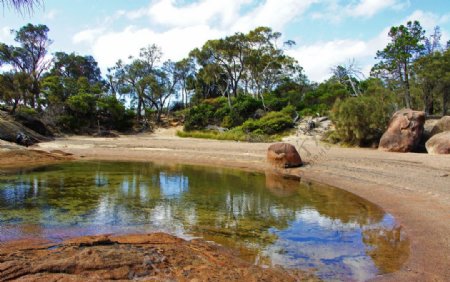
(439, 143)
(441, 125)
(283, 155)
(13, 131)
(404, 131)
(33, 123)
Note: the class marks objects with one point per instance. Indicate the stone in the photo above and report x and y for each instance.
(441, 125)
(283, 155)
(404, 131)
(13, 131)
(142, 257)
(439, 144)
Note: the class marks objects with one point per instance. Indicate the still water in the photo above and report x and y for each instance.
(267, 219)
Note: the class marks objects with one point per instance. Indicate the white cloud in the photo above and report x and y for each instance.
(335, 11)
(273, 13)
(318, 58)
(5, 35)
(368, 8)
(175, 43)
(181, 28)
(50, 15)
(87, 35)
(171, 14)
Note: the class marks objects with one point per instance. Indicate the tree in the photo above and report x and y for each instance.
(14, 88)
(186, 72)
(348, 75)
(29, 57)
(135, 79)
(397, 57)
(245, 63)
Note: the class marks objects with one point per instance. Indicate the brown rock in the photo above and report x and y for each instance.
(153, 257)
(404, 131)
(441, 126)
(283, 155)
(439, 144)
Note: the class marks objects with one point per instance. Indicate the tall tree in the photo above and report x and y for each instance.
(249, 63)
(30, 56)
(396, 58)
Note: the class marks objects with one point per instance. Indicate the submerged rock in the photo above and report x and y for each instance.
(283, 155)
(404, 131)
(439, 144)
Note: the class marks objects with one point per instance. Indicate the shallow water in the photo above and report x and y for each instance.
(268, 219)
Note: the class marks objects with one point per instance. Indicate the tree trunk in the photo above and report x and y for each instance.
(13, 110)
(139, 109)
(445, 97)
(427, 101)
(407, 87)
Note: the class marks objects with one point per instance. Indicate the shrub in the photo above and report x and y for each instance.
(198, 117)
(271, 123)
(361, 120)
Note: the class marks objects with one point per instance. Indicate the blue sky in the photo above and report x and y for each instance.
(327, 32)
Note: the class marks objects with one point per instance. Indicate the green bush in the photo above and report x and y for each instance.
(198, 117)
(235, 134)
(361, 120)
(245, 106)
(271, 123)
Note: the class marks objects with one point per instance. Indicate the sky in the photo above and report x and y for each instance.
(326, 32)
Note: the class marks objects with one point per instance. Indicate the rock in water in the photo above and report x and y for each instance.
(404, 131)
(283, 155)
(439, 143)
(441, 125)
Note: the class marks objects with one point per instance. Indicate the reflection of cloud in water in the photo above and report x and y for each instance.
(171, 185)
(313, 217)
(335, 248)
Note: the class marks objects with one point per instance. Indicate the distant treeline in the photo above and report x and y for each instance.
(232, 82)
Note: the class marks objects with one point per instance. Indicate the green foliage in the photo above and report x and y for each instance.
(361, 120)
(271, 123)
(235, 134)
(112, 114)
(397, 57)
(198, 117)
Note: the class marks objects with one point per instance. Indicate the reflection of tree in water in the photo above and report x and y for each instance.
(330, 202)
(389, 248)
(229, 207)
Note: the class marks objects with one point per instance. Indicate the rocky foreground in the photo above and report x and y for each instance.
(150, 257)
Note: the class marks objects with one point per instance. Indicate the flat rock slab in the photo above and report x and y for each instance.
(155, 257)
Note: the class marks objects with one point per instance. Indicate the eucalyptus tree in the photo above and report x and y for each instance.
(30, 57)
(397, 57)
(14, 87)
(348, 75)
(186, 72)
(136, 78)
(249, 63)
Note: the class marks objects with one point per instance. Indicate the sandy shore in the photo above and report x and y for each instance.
(415, 188)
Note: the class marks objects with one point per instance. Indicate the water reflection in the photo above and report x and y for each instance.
(270, 220)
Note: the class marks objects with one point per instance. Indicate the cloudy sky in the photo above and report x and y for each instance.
(327, 32)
